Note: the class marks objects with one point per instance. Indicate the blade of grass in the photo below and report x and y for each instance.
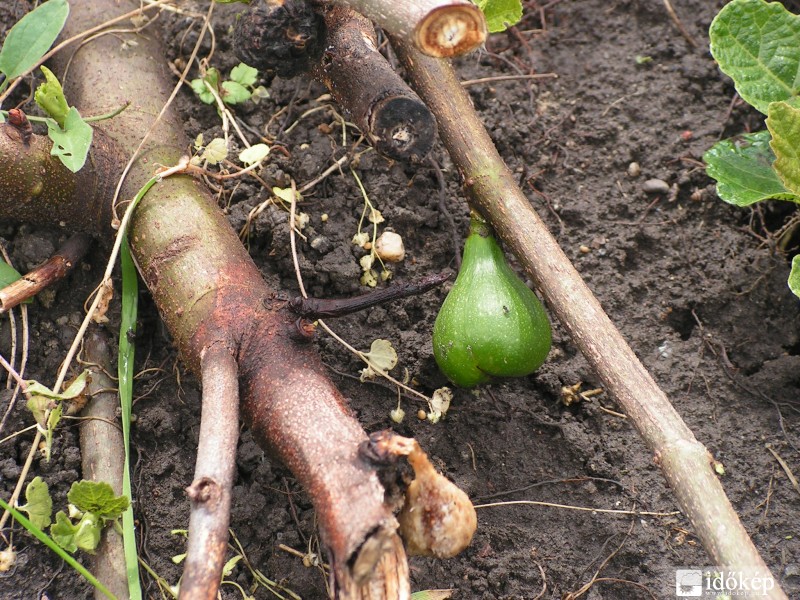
(130, 298)
(48, 541)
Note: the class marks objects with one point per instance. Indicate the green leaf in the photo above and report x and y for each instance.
(8, 274)
(794, 276)
(757, 44)
(87, 533)
(31, 37)
(39, 504)
(743, 169)
(234, 93)
(500, 14)
(244, 74)
(783, 123)
(71, 144)
(98, 498)
(254, 154)
(63, 532)
(50, 97)
(215, 152)
(199, 87)
(74, 390)
(84, 536)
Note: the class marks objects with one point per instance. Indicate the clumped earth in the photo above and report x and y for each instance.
(696, 287)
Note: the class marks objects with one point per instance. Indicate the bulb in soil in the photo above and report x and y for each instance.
(389, 247)
(437, 518)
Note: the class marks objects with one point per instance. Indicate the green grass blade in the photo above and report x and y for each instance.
(130, 297)
(48, 541)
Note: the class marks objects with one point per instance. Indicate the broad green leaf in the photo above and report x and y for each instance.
(783, 123)
(244, 74)
(199, 87)
(215, 152)
(31, 37)
(39, 504)
(71, 144)
(234, 93)
(63, 532)
(98, 498)
(794, 276)
(50, 97)
(254, 154)
(500, 14)
(757, 44)
(743, 169)
(8, 274)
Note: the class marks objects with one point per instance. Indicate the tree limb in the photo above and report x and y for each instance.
(438, 28)
(492, 189)
(360, 79)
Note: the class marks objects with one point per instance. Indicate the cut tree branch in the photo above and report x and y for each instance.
(360, 79)
(492, 189)
(213, 299)
(440, 28)
(52, 270)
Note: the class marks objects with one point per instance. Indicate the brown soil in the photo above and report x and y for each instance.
(694, 285)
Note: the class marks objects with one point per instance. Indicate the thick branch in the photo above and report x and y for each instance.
(103, 456)
(360, 79)
(439, 28)
(492, 189)
(210, 492)
(52, 270)
(211, 295)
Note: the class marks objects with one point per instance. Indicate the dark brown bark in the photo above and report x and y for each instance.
(317, 308)
(52, 270)
(384, 108)
(492, 189)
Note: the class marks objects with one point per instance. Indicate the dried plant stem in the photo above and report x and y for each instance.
(492, 189)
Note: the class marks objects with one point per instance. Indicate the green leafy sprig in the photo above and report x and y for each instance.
(757, 44)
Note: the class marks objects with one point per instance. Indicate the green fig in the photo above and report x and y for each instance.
(491, 324)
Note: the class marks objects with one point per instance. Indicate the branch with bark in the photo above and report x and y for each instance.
(492, 189)
(228, 324)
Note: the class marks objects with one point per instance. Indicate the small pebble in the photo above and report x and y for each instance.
(634, 170)
(655, 186)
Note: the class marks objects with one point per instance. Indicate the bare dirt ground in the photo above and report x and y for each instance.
(694, 285)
